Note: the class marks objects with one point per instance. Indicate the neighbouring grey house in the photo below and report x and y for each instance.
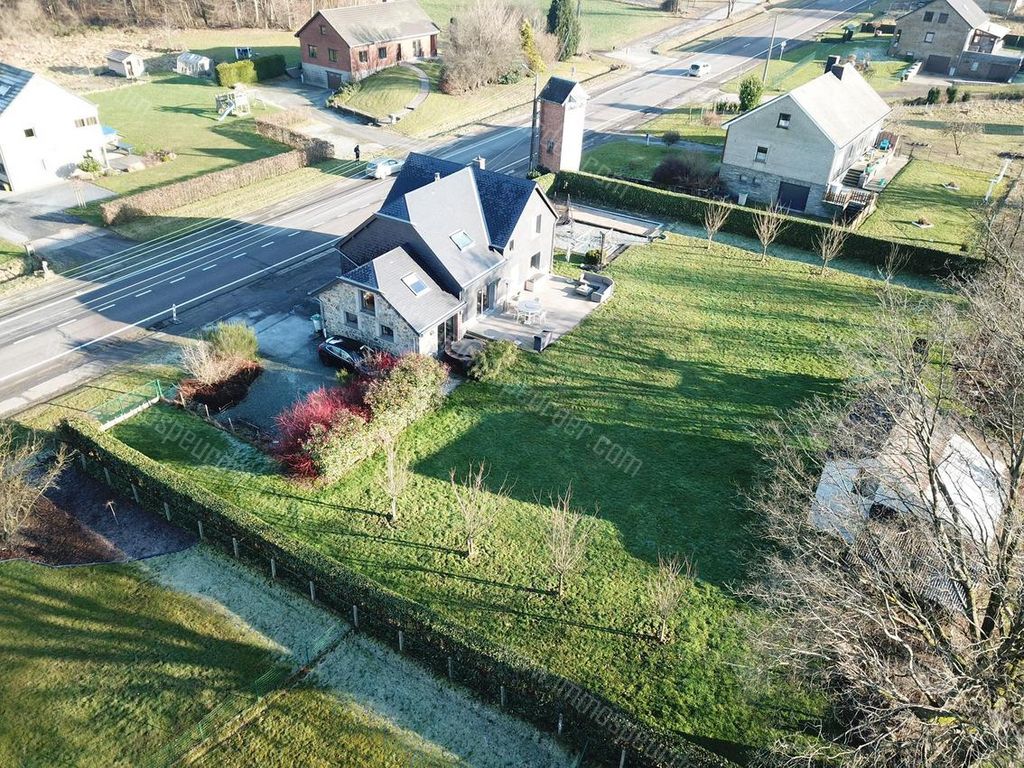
(955, 38)
(799, 148)
(126, 64)
(450, 243)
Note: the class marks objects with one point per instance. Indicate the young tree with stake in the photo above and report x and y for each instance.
(829, 245)
(478, 506)
(396, 477)
(667, 589)
(714, 219)
(568, 535)
(768, 225)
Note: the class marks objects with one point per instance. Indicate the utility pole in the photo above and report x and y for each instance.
(768, 58)
(579, 9)
(533, 125)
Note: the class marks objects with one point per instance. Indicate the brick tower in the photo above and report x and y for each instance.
(562, 110)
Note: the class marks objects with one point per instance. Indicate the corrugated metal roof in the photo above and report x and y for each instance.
(379, 22)
(12, 81)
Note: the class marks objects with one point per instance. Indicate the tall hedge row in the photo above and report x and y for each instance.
(230, 73)
(798, 233)
(494, 672)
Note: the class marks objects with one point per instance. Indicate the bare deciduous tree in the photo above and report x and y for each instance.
(201, 363)
(829, 245)
(667, 589)
(958, 131)
(895, 260)
(567, 537)
(714, 219)
(396, 477)
(483, 46)
(478, 505)
(23, 480)
(897, 583)
(768, 225)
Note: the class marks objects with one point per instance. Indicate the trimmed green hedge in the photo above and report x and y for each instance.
(798, 233)
(261, 68)
(590, 722)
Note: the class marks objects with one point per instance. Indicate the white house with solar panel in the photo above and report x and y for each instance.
(45, 131)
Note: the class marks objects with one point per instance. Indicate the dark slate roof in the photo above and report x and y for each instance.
(378, 22)
(502, 197)
(386, 274)
(558, 90)
(12, 81)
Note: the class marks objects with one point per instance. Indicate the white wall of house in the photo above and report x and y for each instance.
(526, 242)
(45, 133)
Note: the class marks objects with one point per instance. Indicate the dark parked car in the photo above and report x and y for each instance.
(339, 352)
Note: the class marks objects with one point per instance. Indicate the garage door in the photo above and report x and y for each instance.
(937, 64)
(334, 81)
(793, 196)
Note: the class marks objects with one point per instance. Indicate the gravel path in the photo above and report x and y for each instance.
(360, 670)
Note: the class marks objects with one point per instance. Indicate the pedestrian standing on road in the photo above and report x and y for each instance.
(357, 153)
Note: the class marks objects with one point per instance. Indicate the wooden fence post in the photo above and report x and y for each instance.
(81, 458)
(273, 569)
(234, 546)
(201, 536)
(106, 474)
(561, 723)
(135, 493)
(622, 758)
(503, 700)
(401, 641)
(355, 616)
(451, 670)
(167, 512)
(312, 591)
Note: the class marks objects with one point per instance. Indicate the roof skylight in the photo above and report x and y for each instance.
(415, 284)
(462, 239)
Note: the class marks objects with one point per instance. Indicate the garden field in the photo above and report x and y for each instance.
(689, 122)
(177, 113)
(637, 160)
(693, 351)
(918, 191)
(101, 665)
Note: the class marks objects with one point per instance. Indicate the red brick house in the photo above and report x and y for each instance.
(340, 45)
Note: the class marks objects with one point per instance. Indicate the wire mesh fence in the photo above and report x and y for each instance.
(111, 412)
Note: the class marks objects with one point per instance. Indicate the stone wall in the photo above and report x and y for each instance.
(342, 298)
(763, 187)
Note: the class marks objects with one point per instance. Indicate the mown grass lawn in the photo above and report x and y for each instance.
(384, 93)
(917, 191)
(101, 666)
(689, 122)
(693, 351)
(637, 160)
(220, 44)
(177, 113)
(314, 728)
(803, 63)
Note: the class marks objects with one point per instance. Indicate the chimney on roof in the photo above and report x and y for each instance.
(480, 162)
(830, 62)
(437, 175)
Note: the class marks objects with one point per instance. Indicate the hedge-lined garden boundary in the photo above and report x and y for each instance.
(586, 721)
(230, 73)
(797, 233)
(151, 202)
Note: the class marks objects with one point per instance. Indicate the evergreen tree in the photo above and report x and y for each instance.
(530, 51)
(751, 90)
(566, 27)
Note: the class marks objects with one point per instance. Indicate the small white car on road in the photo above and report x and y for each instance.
(383, 167)
(699, 69)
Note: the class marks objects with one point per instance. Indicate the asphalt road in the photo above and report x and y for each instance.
(50, 333)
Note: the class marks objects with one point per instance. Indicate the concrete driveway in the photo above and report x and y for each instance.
(28, 216)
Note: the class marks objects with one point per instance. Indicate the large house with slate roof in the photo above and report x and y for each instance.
(340, 45)
(450, 243)
(45, 130)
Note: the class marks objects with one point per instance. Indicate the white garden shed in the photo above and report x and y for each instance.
(125, 63)
(193, 64)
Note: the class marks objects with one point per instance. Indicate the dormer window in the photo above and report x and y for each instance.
(415, 284)
(462, 239)
(784, 118)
